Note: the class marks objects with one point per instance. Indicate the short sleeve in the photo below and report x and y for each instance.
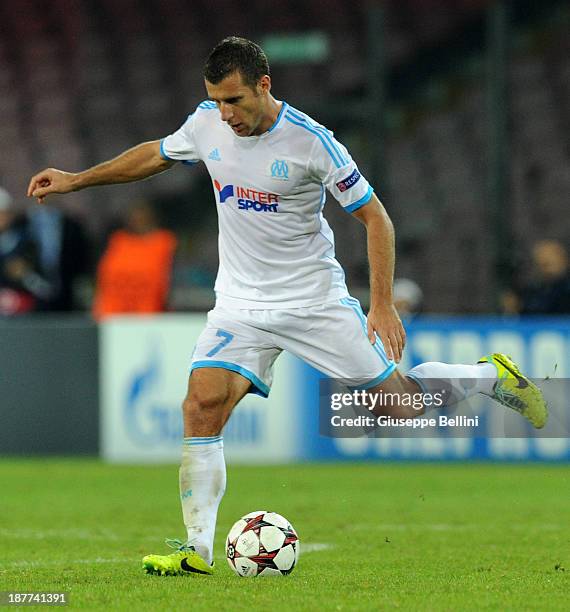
(181, 145)
(333, 165)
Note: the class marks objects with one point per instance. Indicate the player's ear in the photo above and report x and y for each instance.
(264, 84)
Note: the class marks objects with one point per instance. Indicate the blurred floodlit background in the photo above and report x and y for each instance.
(457, 111)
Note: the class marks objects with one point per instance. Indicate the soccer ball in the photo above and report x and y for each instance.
(262, 543)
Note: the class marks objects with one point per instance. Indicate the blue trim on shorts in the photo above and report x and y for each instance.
(381, 378)
(378, 346)
(258, 386)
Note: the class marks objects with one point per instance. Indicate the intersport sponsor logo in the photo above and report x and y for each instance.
(248, 199)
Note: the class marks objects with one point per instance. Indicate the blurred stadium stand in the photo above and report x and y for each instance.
(81, 80)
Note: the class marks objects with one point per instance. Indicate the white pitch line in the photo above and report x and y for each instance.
(95, 561)
(313, 547)
(304, 548)
(44, 534)
(381, 527)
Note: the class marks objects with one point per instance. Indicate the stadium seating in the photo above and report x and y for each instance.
(83, 81)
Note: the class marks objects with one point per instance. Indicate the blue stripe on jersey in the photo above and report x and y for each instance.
(319, 136)
(284, 106)
(207, 105)
(321, 128)
(323, 198)
(359, 203)
(163, 153)
(327, 133)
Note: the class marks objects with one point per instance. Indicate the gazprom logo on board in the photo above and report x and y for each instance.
(148, 420)
(280, 170)
(152, 423)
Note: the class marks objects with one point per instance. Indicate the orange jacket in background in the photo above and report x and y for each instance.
(134, 273)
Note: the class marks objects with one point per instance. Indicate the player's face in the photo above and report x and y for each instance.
(242, 107)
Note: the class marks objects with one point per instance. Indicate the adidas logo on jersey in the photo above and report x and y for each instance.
(215, 155)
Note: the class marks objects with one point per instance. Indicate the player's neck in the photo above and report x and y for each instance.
(273, 109)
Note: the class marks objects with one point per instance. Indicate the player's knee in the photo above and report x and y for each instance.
(205, 400)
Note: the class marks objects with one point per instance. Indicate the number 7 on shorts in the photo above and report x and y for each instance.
(226, 339)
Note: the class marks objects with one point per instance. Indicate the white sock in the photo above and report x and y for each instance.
(460, 381)
(202, 486)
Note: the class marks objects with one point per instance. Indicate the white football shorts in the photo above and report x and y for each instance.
(331, 337)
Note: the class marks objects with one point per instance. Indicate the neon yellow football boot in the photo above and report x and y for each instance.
(514, 390)
(184, 561)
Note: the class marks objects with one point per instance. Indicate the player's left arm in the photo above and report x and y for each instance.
(383, 317)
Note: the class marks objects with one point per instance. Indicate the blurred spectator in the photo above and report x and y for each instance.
(549, 293)
(408, 297)
(22, 287)
(62, 253)
(135, 270)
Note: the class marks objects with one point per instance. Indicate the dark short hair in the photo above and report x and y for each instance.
(235, 53)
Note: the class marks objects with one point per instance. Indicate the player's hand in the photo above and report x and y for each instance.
(386, 322)
(50, 181)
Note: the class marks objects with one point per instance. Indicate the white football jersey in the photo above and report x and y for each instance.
(276, 248)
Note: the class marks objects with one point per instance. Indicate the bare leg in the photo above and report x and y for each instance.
(397, 385)
(212, 395)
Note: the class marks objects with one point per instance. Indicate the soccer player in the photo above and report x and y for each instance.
(279, 286)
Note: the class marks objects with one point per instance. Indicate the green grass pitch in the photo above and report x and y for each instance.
(377, 536)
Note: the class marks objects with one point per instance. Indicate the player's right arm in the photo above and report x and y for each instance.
(135, 164)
